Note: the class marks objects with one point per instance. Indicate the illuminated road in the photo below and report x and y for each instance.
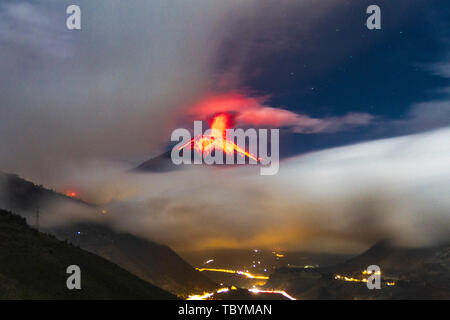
(207, 295)
(210, 295)
(246, 274)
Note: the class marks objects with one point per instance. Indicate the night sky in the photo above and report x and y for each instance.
(343, 67)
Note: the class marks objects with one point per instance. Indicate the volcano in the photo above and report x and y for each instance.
(204, 144)
(160, 163)
(163, 163)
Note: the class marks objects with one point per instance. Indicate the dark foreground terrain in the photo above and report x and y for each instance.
(33, 266)
(150, 261)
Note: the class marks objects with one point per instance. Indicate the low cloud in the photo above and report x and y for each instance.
(421, 117)
(342, 199)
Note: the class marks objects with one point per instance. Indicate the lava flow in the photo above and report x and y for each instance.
(217, 140)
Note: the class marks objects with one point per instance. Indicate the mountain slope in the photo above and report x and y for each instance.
(20, 195)
(150, 261)
(401, 263)
(161, 163)
(33, 266)
(418, 273)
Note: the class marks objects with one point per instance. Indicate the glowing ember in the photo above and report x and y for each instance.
(71, 194)
(205, 144)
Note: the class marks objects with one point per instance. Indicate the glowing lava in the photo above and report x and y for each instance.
(205, 144)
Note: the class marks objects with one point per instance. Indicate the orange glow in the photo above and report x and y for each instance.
(205, 144)
(71, 194)
(221, 123)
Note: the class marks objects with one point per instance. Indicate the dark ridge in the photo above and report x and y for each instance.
(33, 266)
(21, 195)
(152, 262)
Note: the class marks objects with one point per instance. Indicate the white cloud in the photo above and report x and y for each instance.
(339, 199)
